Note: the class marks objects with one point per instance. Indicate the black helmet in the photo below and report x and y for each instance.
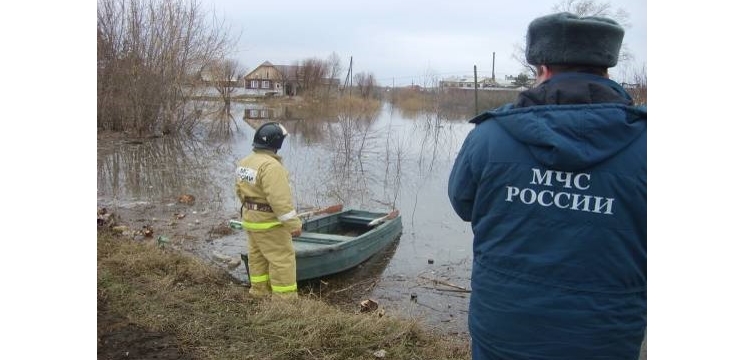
(270, 136)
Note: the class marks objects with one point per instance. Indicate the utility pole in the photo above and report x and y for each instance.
(350, 77)
(348, 80)
(393, 92)
(475, 92)
(493, 79)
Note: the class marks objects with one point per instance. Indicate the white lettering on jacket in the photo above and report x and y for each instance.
(246, 174)
(561, 199)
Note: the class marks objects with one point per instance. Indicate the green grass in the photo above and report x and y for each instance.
(212, 317)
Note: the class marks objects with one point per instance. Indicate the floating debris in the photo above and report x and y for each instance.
(162, 241)
(221, 229)
(119, 229)
(105, 218)
(368, 305)
(186, 199)
(147, 230)
(234, 264)
(443, 282)
(221, 257)
(231, 262)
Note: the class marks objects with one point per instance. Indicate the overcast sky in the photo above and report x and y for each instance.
(401, 41)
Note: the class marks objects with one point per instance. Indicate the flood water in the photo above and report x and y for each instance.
(371, 160)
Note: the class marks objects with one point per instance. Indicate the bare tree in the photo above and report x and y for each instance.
(521, 80)
(149, 53)
(224, 76)
(518, 54)
(635, 82)
(591, 8)
(333, 64)
(581, 8)
(366, 83)
(310, 73)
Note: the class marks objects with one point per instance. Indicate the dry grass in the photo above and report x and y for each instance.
(452, 103)
(359, 104)
(162, 290)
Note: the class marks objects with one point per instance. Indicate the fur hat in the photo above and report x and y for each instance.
(567, 39)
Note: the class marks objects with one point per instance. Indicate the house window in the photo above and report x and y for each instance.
(254, 84)
(253, 113)
(264, 114)
(265, 84)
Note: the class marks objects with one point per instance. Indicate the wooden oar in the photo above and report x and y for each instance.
(391, 215)
(327, 210)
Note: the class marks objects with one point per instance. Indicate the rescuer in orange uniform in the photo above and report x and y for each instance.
(263, 187)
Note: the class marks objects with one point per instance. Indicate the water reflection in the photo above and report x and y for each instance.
(261, 112)
(221, 123)
(159, 169)
(352, 141)
(266, 112)
(295, 118)
(348, 287)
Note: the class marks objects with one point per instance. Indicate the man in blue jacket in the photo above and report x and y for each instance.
(555, 188)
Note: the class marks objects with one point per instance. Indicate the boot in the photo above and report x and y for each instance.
(260, 290)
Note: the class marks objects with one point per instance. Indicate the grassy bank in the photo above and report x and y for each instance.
(199, 312)
(452, 103)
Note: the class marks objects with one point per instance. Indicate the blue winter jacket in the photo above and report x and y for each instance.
(555, 188)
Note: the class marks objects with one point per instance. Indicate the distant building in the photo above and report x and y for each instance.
(269, 79)
(416, 88)
(632, 86)
(465, 82)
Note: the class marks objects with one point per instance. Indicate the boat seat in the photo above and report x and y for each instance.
(356, 219)
(323, 238)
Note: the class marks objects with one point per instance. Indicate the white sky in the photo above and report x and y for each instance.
(399, 41)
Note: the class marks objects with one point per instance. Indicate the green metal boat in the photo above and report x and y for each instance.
(339, 241)
(333, 243)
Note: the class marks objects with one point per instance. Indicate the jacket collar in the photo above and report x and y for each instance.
(574, 88)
